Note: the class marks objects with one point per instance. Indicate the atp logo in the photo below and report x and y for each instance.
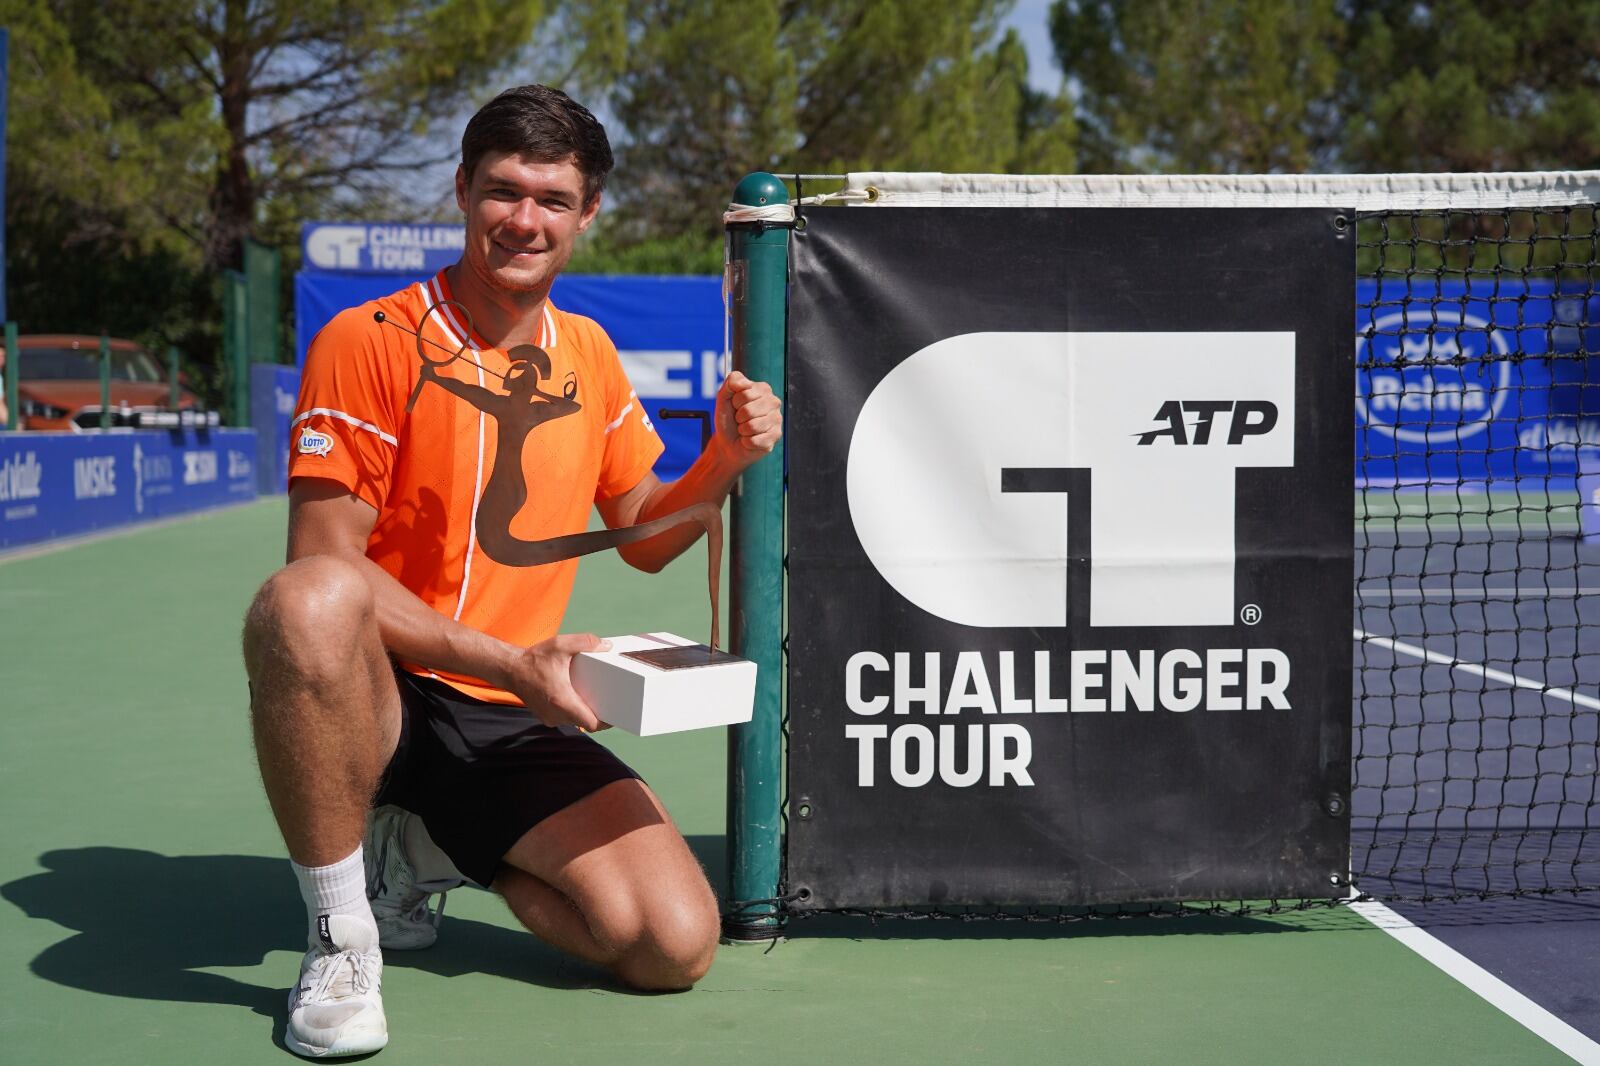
(1250, 418)
(954, 475)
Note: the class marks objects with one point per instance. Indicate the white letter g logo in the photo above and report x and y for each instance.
(926, 456)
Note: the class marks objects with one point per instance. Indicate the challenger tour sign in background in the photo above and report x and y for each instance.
(1069, 620)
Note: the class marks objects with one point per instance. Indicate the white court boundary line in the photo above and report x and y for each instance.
(1516, 1006)
(1513, 1004)
(1515, 680)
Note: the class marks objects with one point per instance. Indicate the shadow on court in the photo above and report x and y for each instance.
(148, 926)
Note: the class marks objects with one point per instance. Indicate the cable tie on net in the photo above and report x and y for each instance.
(844, 196)
(739, 907)
(777, 213)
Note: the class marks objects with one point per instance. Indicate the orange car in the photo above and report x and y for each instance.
(59, 386)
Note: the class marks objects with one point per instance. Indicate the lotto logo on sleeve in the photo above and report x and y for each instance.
(314, 443)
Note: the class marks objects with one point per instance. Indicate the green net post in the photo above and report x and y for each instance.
(236, 343)
(13, 372)
(758, 278)
(174, 389)
(105, 381)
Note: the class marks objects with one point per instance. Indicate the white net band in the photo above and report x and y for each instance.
(1362, 192)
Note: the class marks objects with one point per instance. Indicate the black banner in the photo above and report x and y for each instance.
(1070, 555)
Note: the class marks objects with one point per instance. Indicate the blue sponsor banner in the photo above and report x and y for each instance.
(669, 335)
(668, 331)
(65, 484)
(318, 296)
(406, 248)
(273, 392)
(1474, 383)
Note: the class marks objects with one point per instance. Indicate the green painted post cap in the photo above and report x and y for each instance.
(760, 190)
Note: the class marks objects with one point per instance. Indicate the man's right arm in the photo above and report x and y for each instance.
(325, 518)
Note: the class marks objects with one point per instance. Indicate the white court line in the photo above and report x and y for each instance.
(1496, 992)
(1501, 593)
(1515, 680)
(1516, 1006)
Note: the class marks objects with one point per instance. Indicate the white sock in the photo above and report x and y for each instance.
(337, 889)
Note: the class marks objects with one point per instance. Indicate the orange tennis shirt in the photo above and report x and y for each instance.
(497, 456)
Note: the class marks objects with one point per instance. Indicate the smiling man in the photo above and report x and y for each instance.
(411, 702)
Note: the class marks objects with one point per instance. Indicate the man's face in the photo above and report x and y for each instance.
(522, 219)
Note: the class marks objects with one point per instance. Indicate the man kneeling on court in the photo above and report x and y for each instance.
(411, 702)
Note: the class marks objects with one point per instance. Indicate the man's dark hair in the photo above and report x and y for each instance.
(544, 124)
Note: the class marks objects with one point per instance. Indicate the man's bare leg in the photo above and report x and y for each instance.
(325, 711)
(610, 879)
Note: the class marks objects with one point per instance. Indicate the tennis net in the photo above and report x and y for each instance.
(1476, 651)
(1477, 647)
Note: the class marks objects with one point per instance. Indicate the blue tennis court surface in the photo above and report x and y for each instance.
(1477, 650)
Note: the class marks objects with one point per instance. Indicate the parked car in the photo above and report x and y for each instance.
(58, 386)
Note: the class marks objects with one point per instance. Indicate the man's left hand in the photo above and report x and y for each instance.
(749, 419)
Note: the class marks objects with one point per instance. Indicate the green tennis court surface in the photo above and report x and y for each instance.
(1460, 510)
(148, 914)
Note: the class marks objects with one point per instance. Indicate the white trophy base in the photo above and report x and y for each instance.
(647, 700)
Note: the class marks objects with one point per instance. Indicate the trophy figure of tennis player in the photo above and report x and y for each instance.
(525, 404)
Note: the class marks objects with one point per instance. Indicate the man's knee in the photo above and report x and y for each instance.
(307, 618)
(674, 948)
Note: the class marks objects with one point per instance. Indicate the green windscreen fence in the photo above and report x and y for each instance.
(251, 331)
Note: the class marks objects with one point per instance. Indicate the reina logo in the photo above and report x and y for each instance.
(20, 476)
(94, 476)
(239, 464)
(1433, 374)
(959, 463)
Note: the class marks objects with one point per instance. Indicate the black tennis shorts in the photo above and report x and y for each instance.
(480, 775)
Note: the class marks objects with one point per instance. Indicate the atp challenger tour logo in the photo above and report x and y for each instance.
(956, 487)
(954, 482)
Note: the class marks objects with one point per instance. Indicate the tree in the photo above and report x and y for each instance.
(304, 100)
(1201, 86)
(708, 90)
(1365, 85)
(1459, 85)
(149, 139)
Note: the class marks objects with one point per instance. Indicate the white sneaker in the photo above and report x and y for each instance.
(337, 1009)
(399, 901)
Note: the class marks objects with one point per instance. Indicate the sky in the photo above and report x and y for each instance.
(1031, 20)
